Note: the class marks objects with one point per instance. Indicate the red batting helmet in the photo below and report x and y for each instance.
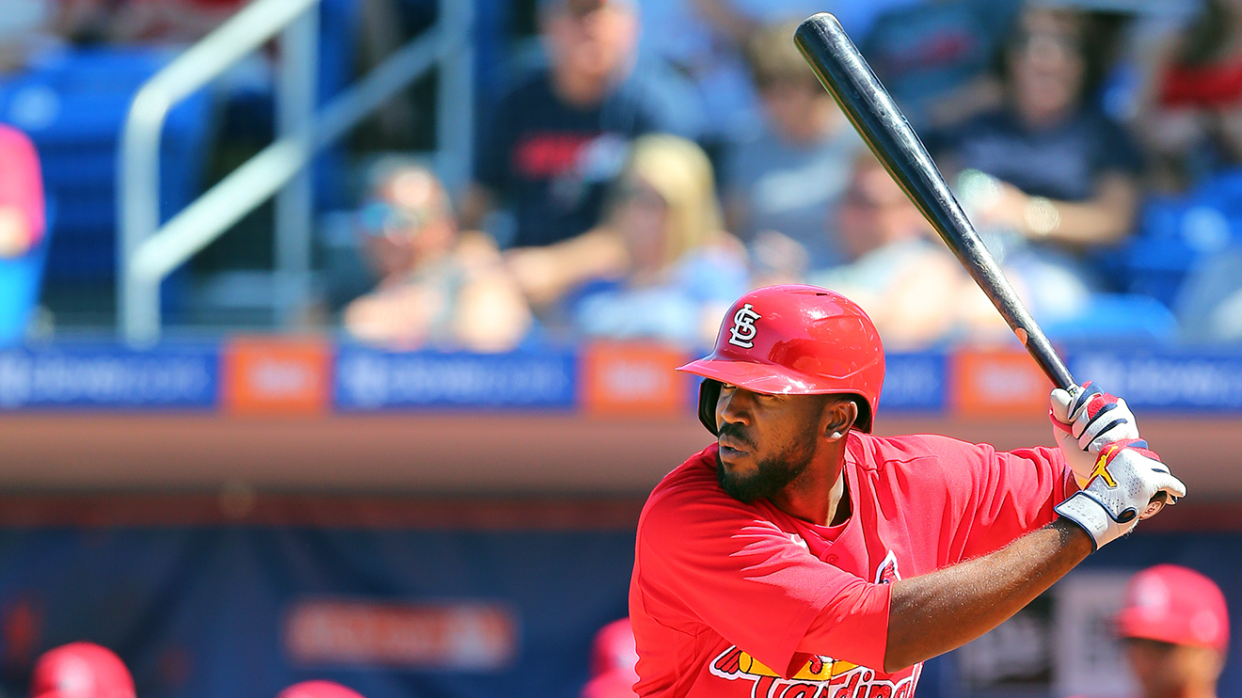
(612, 662)
(318, 689)
(794, 340)
(81, 670)
(1177, 605)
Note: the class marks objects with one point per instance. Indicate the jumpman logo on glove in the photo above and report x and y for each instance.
(1101, 465)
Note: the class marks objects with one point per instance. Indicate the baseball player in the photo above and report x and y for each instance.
(1175, 627)
(799, 556)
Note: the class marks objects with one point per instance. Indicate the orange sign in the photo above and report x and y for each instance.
(998, 383)
(633, 379)
(262, 375)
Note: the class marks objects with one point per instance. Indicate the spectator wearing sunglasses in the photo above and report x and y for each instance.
(897, 270)
(438, 286)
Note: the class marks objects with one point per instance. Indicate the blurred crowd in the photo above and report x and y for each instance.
(658, 159)
(618, 203)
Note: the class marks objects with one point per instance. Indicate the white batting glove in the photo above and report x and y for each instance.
(1085, 423)
(1124, 479)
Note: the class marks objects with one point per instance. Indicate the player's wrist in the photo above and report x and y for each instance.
(1092, 517)
(1074, 538)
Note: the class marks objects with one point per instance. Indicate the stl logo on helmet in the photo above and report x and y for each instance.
(742, 333)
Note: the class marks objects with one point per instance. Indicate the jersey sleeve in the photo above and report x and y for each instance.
(1005, 494)
(721, 563)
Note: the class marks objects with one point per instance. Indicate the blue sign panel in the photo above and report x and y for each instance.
(1173, 382)
(914, 382)
(111, 377)
(368, 379)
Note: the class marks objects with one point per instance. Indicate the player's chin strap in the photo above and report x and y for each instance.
(709, 394)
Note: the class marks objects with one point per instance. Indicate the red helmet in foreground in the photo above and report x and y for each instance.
(81, 670)
(794, 340)
(613, 657)
(1177, 605)
(319, 689)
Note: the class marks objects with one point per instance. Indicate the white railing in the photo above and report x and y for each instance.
(149, 252)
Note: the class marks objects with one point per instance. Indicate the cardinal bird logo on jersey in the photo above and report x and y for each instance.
(887, 572)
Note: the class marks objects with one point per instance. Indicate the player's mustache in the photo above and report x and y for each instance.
(734, 432)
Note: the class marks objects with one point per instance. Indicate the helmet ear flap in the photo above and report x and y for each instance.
(709, 394)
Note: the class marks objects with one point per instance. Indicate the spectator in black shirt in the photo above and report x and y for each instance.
(557, 139)
(1048, 174)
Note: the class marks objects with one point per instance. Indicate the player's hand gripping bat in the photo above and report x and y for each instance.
(842, 70)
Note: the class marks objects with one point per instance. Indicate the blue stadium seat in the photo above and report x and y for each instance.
(73, 107)
(1119, 317)
(1176, 232)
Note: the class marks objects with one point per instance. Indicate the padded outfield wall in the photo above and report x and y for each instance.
(232, 517)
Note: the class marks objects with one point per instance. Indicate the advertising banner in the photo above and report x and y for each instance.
(369, 379)
(109, 376)
(1170, 381)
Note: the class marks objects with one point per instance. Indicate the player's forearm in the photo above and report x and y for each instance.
(941, 611)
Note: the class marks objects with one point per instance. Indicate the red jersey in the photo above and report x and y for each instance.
(733, 599)
(1210, 86)
(21, 180)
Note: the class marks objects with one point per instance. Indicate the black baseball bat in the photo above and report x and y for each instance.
(844, 72)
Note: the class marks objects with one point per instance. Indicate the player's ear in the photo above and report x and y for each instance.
(840, 414)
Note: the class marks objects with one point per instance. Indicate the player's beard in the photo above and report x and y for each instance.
(771, 475)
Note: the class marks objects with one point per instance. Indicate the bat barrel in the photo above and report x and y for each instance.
(844, 72)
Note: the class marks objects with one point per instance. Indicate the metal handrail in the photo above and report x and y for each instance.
(148, 252)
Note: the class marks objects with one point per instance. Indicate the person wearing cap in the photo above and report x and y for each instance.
(1175, 628)
(801, 555)
(81, 670)
(438, 286)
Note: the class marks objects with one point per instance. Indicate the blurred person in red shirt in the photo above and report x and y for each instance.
(1189, 108)
(81, 670)
(22, 232)
(438, 286)
(21, 194)
(1175, 627)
